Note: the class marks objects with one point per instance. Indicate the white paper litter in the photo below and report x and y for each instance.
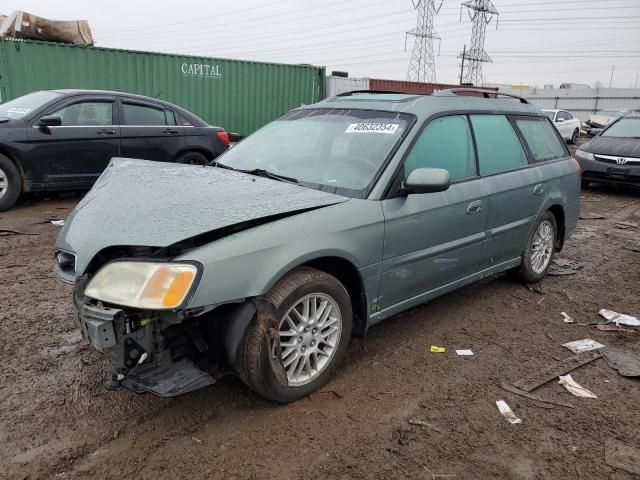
(506, 412)
(571, 385)
(464, 353)
(567, 318)
(580, 346)
(58, 223)
(619, 318)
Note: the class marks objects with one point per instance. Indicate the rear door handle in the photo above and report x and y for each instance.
(538, 189)
(474, 207)
(170, 131)
(106, 131)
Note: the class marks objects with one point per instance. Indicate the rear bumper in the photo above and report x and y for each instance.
(597, 171)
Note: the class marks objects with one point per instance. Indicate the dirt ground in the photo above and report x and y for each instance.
(57, 421)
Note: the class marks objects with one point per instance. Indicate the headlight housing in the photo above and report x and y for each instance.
(584, 155)
(148, 285)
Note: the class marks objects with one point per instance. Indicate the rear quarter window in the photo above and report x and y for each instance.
(543, 142)
(499, 148)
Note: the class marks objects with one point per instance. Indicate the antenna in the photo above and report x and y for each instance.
(481, 13)
(422, 67)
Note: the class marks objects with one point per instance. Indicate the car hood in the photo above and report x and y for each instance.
(154, 204)
(622, 147)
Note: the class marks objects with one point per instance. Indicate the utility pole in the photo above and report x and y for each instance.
(464, 52)
(636, 85)
(613, 67)
(422, 67)
(481, 12)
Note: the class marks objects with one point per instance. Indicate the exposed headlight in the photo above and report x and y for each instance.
(148, 285)
(584, 155)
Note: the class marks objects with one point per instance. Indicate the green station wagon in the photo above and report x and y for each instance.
(321, 224)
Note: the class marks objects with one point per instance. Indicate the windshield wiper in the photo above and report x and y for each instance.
(259, 172)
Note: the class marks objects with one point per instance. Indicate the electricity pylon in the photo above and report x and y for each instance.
(480, 12)
(422, 67)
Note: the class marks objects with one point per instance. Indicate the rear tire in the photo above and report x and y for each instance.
(574, 137)
(585, 183)
(288, 294)
(538, 254)
(192, 158)
(10, 183)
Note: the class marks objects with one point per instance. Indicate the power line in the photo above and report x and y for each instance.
(422, 67)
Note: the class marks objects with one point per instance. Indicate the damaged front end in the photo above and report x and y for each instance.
(166, 352)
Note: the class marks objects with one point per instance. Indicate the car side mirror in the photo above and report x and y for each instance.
(559, 120)
(50, 121)
(427, 180)
(595, 131)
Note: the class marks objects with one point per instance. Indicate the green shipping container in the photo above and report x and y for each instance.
(240, 96)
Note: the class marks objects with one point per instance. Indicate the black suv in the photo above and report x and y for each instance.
(64, 139)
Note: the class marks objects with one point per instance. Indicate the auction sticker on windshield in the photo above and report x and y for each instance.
(372, 127)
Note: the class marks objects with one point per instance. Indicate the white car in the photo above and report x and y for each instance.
(567, 124)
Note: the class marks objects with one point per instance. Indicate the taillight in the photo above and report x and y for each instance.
(224, 136)
(579, 166)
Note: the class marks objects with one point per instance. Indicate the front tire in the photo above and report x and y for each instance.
(10, 183)
(314, 316)
(537, 256)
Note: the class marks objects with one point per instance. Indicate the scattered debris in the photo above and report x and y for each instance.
(563, 266)
(555, 370)
(465, 353)
(623, 234)
(590, 216)
(629, 204)
(571, 385)
(436, 349)
(197, 440)
(546, 403)
(58, 223)
(579, 346)
(608, 327)
(536, 287)
(422, 423)
(507, 412)
(6, 233)
(632, 248)
(619, 318)
(567, 318)
(625, 225)
(621, 455)
(625, 363)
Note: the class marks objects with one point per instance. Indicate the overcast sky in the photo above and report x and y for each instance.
(535, 43)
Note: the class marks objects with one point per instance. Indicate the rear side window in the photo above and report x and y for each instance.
(542, 140)
(499, 148)
(444, 143)
(145, 115)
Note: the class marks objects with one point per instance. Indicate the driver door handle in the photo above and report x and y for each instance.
(106, 131)
(474, 207)
(538, 189)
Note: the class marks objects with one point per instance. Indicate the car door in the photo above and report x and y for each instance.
(564, 125)
(435, 239)
(149, 131)
(77, 151)
(516, 190)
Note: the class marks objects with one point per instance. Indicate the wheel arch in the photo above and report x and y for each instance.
(559, 215)
(23, 174)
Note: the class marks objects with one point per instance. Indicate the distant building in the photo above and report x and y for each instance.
(574, 85)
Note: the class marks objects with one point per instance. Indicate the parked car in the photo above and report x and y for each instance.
(613, 156)
(326, 221)
(568, 125)
(64, 139)
(604, 117)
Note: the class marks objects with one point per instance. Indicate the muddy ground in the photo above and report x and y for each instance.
(57, 421)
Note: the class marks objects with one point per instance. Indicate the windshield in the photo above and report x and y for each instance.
(624, 128)
(334, 150)
(550, 114)
(21, 106)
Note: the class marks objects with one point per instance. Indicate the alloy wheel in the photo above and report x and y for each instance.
(542, 247)
(4, 183)
(309, 337)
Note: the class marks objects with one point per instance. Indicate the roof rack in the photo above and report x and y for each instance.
(348, 94)
(485, 93)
